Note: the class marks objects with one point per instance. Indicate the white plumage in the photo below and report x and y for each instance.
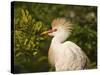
(64, 55)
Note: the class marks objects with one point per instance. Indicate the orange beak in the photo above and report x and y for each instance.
(49, 31)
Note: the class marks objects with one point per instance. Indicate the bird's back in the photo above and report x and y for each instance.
(77, 58)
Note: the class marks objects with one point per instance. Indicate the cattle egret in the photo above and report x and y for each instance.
(64, 55)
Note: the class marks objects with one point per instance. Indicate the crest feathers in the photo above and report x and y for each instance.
(62, 22)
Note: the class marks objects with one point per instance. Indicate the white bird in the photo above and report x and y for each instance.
(64, 55)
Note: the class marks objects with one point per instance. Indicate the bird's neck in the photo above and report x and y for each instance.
(55, 44)
(61, 37)
(57, 41)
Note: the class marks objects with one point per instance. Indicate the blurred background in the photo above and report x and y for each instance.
(31, 19)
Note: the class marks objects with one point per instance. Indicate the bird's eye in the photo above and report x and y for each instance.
(55, 29)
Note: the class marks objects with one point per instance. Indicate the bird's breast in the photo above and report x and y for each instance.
(54, 55)
(51, 57)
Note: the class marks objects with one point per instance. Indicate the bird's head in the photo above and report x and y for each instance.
(60, 28)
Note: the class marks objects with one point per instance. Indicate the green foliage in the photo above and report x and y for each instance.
(31, 19)
(27, 41)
